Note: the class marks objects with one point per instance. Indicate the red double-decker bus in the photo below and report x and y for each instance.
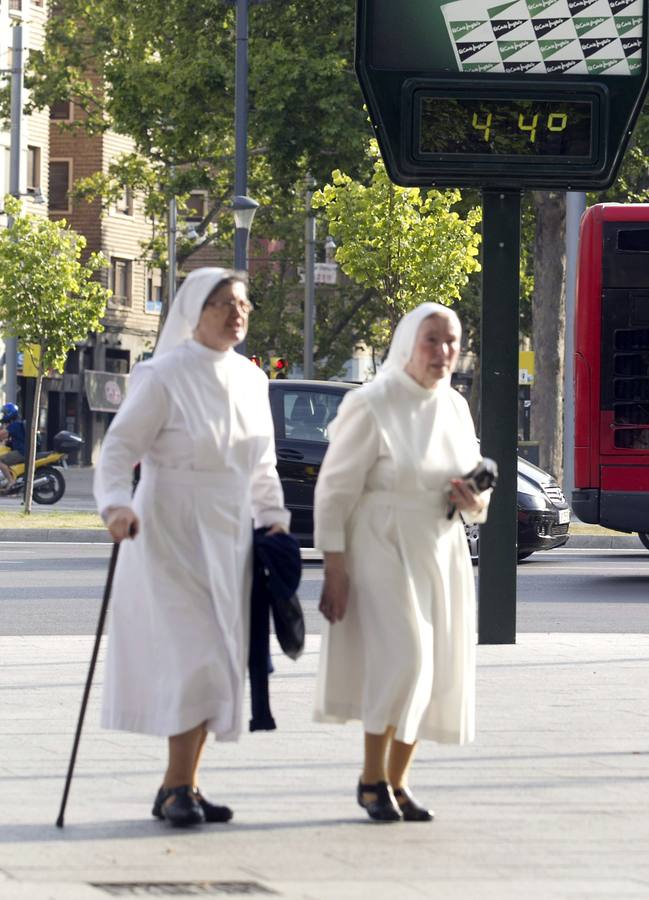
(612, 369)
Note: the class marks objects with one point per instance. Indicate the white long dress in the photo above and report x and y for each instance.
(200, 422)
(404, 654)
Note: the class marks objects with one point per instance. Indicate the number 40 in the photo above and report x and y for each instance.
(556, 122)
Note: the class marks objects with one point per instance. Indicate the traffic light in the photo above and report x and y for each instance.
(256, 360)
(278, 367)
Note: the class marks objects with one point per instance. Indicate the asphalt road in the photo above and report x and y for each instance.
(50, 588)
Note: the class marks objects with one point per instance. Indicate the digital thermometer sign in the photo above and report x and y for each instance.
(519, 94)
(499, 128)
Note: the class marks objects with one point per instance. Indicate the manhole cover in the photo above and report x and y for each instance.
(181, 888)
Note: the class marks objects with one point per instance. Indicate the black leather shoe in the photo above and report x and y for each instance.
(181, 810)
(211, 811)
(383, 808)
(410, 809)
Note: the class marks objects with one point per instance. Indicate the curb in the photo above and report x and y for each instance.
(66, 535)
(101, 536)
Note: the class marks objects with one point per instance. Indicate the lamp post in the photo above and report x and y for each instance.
(244, 209)
(309, 278)
(11, 345)
(172, 227)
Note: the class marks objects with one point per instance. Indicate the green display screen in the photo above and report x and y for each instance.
(489, 127)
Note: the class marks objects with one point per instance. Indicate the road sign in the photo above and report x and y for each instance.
(526, 93)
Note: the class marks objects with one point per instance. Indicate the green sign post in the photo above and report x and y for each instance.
(504, 96)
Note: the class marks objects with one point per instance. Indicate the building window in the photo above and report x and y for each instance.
(60, 178)
(154, 293)
(33, 168)
(15, 4)
(38, 2)
(120, 281)
(125, 203)
(196, 206)
(61, 111)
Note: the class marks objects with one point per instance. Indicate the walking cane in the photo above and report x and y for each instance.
(91, 672)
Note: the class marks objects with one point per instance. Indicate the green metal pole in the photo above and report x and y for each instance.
(501, 228)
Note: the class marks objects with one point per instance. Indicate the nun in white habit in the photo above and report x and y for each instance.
(197, 417)
(398, 650)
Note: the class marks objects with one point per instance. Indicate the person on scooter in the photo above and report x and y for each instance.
(7, 477)
(15, 440)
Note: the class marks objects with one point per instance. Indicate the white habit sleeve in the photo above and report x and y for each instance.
(131, 433)
(470, 437)
(353, 450)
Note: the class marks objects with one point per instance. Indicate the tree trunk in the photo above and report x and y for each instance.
(548, 328)
(31, 448)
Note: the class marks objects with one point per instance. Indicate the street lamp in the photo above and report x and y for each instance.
(244, 209)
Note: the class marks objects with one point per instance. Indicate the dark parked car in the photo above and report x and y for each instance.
(302, 411)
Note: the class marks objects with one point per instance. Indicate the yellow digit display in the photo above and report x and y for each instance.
(531, 128)
(485, 127)
(557, 121)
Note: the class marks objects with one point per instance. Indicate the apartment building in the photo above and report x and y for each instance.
(96, 372)
(34, 142)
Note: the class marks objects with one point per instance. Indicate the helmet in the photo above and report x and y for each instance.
(10, 412)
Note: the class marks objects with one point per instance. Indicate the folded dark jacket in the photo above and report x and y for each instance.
(277, 568)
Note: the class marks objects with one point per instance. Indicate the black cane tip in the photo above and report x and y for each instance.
(59, 821)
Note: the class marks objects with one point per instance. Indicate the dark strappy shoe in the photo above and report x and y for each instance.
(182, 810)
(383, 808)
(410, 809)
(211, 811)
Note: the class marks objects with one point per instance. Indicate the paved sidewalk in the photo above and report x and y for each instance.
(551, 802)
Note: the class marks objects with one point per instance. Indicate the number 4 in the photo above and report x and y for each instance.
(531, 128)
(486, 127)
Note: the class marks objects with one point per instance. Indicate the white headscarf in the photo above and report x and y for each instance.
(405, 334)
(186, 308)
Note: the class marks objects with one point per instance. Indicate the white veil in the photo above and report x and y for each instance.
(186, 308)
(405, 334)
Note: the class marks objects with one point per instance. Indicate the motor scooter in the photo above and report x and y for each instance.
(49, 483)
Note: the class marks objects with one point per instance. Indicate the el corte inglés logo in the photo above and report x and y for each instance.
(561, 65)
(588, 23)
(576, 6)
(631, 46)
(619, 5)
(595, 66)
(592, 45)
(537, 6)
(542, 26)
(478, 67)
(549, 48)
(626, 23)
(466, 50)
(519, 66)
(460, 29)
(504, 26)
(508, 48)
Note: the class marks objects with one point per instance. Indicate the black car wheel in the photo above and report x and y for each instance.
(50, 485)
(644, 537)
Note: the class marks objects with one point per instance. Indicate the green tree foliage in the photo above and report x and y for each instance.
(49, 298)
(404, 245)
(162, 72)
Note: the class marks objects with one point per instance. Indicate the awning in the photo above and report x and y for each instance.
(104, 390)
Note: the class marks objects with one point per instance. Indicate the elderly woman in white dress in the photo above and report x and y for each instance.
(197, 416)
(398, 650)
